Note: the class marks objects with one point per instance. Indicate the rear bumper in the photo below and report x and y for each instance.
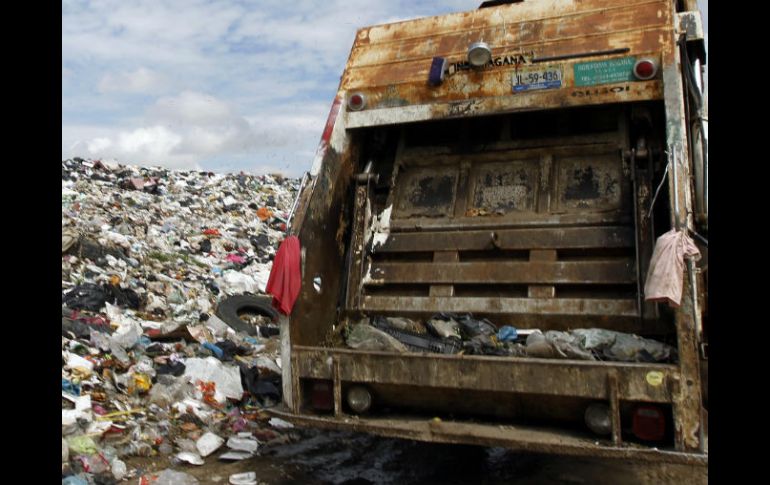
(521, 438)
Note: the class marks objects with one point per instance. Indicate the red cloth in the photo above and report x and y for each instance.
(285, 276)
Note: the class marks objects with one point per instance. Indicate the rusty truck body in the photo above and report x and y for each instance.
(526, 185)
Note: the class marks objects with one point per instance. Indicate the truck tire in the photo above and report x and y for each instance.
(230, 308)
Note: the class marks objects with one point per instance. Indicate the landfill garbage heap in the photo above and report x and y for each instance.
(167, 346)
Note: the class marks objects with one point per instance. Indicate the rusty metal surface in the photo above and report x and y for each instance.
(589, 185)
(444, 189)
(491, 305)
(563, 238)
(524, 438)
(581, 272)
(390, 63)
(595, 95)
(507, 185)
(426, 192)
(512, 375)
(357, 247)
(319, 234)
(688, 419)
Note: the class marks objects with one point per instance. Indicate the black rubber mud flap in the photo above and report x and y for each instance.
(229, 309)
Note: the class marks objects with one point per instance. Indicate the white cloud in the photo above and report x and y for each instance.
(98, 145)
(271, 69)
(193, 108)
(153, 141)
(141, 80)
(178, 131)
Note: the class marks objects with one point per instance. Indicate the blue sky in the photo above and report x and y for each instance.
(223, 85)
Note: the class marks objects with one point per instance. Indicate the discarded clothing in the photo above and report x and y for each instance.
(92, 297)
(623, 347)
(261, 387)
(597, 344)
(87, 296)
(664, 278)
(285, 276)
(556, 345)
(122, 297)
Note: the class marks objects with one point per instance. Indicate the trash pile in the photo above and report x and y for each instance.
(454, 334)
(167, 348)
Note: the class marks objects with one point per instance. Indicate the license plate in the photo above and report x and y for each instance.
(540, 77)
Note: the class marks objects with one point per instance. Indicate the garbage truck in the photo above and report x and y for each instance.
(492, 182)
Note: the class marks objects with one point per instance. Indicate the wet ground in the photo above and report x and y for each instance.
(344, 458)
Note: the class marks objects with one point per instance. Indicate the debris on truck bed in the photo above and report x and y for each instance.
(150, 365)
(450, 333)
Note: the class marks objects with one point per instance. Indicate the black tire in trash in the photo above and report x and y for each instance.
(229, 309)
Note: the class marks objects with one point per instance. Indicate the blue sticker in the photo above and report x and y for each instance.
(534, 78)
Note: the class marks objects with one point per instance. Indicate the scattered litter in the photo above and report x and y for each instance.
(170, 477)
(280, 423)
(248, 478)
(366, 337)
(242, 444)
(235, 455)
(227, 378)
(189, 457)
(149, 369)
(208, 444)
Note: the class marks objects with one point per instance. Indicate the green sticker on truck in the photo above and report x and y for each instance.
(604, 72)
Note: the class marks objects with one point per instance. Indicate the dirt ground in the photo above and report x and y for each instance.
(343, 458)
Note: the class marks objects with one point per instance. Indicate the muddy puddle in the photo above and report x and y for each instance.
(342, 458)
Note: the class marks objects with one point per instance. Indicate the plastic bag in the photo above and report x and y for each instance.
(210, 369)
(119, 469)
(472, 327)
(242, 444)
(82, 445)
(444, 328)
(366, 337)
(406, 324)
(507, 334)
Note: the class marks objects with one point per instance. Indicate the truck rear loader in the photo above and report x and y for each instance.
(512, 165)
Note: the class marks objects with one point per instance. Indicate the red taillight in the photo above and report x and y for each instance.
(649, 423)
(322, 396)
(356, 102)
(645, 69)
